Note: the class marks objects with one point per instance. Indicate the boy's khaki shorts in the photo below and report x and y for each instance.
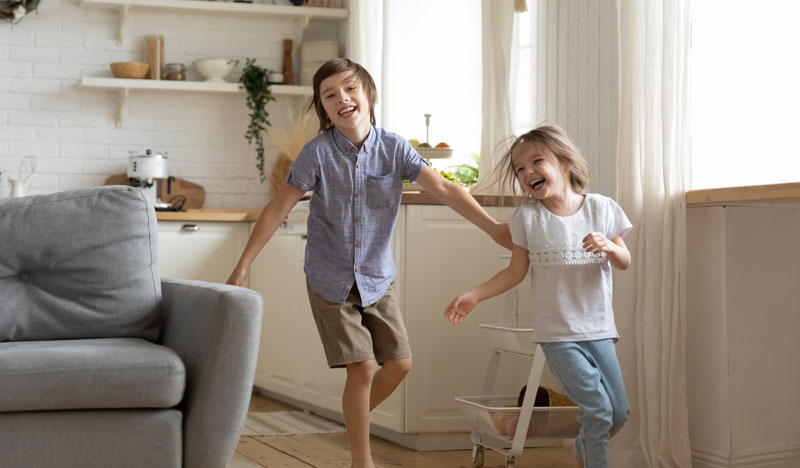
(352, 333)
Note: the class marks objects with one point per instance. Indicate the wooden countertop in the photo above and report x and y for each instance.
(247, 215)
(751, 195)
(209, 214)
(425, 198)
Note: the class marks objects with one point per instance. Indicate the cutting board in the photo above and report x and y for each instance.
(179, 191)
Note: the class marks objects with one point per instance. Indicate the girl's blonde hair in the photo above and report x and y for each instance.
(333, 67)
(553, 138)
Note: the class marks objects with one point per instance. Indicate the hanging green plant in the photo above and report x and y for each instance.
(255, 80)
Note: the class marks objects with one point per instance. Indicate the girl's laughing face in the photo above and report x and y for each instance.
(538, 171)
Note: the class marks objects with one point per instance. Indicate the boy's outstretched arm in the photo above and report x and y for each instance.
(454, 196)
(268, 221)
(506, 279)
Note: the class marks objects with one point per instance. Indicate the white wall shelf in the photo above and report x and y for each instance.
(125, 86)
(300, 15)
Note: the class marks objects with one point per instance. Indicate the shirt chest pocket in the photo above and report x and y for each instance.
(381, 191)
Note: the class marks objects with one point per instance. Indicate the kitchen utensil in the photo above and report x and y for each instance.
(215, 69)
(288, 69)
(143, 170)
(136, 70)
(174, 192)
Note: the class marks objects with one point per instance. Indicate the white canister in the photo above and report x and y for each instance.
(18, 188)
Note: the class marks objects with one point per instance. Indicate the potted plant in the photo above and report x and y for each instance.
(255, 80)
(15, 10)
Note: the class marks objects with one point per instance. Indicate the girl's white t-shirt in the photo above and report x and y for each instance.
(571, 288)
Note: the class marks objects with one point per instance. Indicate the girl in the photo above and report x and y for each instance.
(570, 239)
(356, 171)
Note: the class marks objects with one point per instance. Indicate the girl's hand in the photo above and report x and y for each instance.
(459, 307)
(596, 243)
(237, 277)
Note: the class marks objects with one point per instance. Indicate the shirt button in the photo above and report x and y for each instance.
(358, 194)
(358, 219)
(358, 244)
(356, 269)
(358, 165)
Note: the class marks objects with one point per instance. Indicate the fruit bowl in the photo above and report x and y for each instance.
(215, 70)
(136, 70)
(435, 153)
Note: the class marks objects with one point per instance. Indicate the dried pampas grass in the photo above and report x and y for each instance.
(289, 143)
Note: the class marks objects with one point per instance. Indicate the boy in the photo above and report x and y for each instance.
(356, 171)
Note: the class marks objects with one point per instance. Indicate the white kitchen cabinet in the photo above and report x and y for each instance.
(200, 250)
(290, 358)
(291, 362)
(445, 256)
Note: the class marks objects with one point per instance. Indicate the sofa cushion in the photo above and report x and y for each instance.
(79, 264)
(96, 373)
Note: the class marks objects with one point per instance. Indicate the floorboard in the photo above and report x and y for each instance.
(332, 451)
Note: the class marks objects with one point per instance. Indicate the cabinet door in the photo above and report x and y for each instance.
(389, 414)
(276, 274)
(445, 256)
(206, 251)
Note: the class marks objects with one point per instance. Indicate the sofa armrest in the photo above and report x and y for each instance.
(215, 329)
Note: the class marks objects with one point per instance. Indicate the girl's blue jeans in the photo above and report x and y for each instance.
(591, 376)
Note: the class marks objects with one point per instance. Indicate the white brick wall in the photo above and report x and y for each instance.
(71, 130)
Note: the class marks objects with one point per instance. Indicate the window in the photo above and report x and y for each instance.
(433, 65)
(745, 92)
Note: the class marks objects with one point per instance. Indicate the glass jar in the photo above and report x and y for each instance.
(175, 71)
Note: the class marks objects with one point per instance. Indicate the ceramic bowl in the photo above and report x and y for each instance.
(215, 69)
(129, 69)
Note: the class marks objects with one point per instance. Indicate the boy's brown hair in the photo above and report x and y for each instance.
(333, 67)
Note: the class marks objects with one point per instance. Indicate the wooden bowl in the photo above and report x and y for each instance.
(129, 69)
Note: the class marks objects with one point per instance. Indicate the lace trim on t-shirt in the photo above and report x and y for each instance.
(566, 256)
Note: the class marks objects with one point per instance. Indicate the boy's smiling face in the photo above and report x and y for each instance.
(345, 102)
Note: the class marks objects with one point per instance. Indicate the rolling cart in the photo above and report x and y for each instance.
(497, 422)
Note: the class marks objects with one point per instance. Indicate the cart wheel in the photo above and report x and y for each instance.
(510, 462)
(477, 456)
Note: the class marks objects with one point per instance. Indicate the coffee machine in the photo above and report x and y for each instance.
(143, 172)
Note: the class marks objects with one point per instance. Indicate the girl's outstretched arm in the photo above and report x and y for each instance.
(268, 221)
(454, 196)
(506, 279)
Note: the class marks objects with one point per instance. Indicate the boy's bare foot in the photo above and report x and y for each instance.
(576, 462)
(363, 464)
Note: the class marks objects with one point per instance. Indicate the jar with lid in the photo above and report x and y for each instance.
(175, 71)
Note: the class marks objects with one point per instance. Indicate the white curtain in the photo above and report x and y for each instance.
(365, 44)
(498, 27)
(653, 169)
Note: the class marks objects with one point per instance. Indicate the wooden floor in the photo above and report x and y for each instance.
(331, 451)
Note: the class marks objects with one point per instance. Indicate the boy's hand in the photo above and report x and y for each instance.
(459, 307)
(502, 235)
(237, 277)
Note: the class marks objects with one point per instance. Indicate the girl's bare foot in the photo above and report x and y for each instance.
(576, 462)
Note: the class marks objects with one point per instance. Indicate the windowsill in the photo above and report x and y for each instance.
(751, 195)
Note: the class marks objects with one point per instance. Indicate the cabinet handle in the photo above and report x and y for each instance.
(190, 227)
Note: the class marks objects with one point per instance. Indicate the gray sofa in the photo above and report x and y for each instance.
(102, 363)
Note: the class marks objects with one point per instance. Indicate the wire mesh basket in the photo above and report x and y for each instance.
(498, 417)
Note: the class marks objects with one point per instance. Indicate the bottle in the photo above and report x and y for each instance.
(175, 71)
(155, 55)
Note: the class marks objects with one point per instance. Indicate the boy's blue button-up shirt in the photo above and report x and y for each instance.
(353, 210)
